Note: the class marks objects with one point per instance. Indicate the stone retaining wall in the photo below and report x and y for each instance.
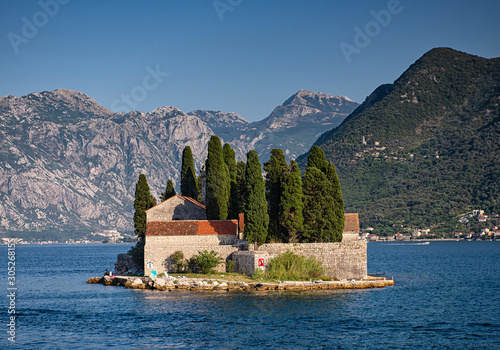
(344, 260)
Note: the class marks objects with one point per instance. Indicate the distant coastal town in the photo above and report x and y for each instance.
(106, 236)
(477, 226)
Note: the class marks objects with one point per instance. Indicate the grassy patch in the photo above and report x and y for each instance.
(292, 267)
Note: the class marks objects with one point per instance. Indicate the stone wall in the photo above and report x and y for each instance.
(159, 249)
(344, 260)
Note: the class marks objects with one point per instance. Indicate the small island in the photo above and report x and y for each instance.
(287, 231)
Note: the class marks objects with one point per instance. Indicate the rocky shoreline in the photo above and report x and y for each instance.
(199, 284)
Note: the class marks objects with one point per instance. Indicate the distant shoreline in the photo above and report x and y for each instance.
(432, 240)
(64, 243)
(377, 241)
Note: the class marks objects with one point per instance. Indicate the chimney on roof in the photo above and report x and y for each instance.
(241, 225)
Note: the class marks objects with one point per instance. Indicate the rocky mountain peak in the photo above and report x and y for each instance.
(69, 100)
(309, 106)
(317, 99)
(166, 111)
(61, 105)
(296, 124)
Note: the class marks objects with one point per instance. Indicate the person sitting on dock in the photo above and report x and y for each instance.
(106, 273)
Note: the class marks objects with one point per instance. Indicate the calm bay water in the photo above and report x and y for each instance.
(447, 296)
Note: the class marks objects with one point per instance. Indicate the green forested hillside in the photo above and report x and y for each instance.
(426, 148)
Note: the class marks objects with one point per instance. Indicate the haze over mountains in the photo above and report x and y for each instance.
(70, 165)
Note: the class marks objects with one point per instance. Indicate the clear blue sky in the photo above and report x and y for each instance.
(247, 60)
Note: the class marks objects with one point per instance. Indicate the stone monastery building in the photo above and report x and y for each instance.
(180, 223)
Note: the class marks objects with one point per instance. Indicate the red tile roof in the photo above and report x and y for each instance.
(217, 227)
(192, 227)
(172, 228)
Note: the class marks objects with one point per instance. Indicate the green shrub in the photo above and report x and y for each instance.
(192, 264)
(292, 267)
(258, 275)
(230, 266)
(204, 262)
(178, 260)
(208, 261)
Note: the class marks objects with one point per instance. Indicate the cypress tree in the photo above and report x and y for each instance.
(335, 212)
(275, 168)
(141, 204)
(241, 184)
(290, 210)
(230, 160)
(198, 187)
(318, 206)
(256, 216)
(217, 181)
(338, 203)
(188, 175)
(317, 159)
(169, 191)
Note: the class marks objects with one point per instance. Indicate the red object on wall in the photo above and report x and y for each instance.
(261, 262)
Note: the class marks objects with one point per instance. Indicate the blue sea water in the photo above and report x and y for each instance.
(446, 296)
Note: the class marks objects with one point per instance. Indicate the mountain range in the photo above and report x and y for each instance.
(425, 149)
(69, 165)
(416, 153)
